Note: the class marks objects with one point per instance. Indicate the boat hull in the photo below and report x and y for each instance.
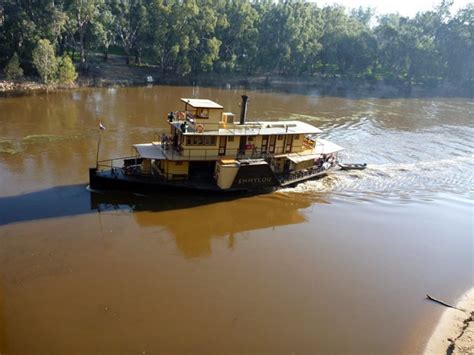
(116, 180)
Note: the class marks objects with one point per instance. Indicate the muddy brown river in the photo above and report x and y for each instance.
(336, 265)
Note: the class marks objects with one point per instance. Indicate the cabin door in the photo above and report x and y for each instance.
(272, 144)
(263, 150)
(289, 144)
(222, 145)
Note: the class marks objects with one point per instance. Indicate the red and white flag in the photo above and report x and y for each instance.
(101, 126)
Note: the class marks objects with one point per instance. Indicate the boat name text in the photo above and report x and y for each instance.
(255, 180)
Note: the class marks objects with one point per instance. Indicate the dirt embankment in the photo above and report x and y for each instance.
(454, 333)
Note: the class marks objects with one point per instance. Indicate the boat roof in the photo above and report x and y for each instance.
(258, 128)
(322, 147)
(149, 151)
(201, 103)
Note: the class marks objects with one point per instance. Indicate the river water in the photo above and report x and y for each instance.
(336, 265)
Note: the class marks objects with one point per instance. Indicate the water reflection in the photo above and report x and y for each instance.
(193, 221)
(277, 272)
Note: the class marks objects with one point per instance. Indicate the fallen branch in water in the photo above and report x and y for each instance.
(444, 303)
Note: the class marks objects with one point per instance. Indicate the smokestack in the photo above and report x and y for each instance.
(243, 109)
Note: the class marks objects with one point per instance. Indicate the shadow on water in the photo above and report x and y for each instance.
(251, 212)
(72, 200)
(192, 220)
(59, 201)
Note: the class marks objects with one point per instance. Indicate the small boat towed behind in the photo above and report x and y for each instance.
(352, 166)
(208, 149)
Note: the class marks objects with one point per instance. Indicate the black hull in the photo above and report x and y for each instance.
(118, 182)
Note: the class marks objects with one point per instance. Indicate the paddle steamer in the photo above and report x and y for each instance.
(209, 149)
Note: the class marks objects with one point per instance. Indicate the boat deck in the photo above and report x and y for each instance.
(299, 176)
(157, 180)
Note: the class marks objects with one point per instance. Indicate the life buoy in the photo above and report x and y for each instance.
(181, 115)
(200, 128)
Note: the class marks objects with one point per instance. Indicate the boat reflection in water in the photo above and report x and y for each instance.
(211, 217)
(191, 219)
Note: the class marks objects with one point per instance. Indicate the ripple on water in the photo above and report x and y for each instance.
(399, 181)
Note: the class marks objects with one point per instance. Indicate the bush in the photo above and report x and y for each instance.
(45, 61)
(66, 72)
(13, 69)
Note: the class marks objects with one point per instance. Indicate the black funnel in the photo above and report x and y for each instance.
(243, 109)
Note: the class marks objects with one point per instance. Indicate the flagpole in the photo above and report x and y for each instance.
(98, 148)
(101, 127)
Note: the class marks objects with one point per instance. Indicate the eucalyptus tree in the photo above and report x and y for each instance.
(184, 38)
(196, 46)
(164, 42)
(81, 17)
(455, 40)
(131, 23)
(356, 46)
(45, 61)
(237, 29)
(305, 29)
(106, 28)
(335, 29)
(23, 23)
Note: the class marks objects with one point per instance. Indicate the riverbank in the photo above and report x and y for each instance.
(115, 72)
(454, 333)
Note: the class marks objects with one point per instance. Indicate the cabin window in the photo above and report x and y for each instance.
(179, 163)
(202, 113)
(280, 137)
(250, 139)
(230, 139)
(296, 137)
(201, 140)
(209, 140)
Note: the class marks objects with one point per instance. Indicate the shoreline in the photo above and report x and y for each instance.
(454, 333)
(337, 87)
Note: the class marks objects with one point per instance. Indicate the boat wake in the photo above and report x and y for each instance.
(396, 180)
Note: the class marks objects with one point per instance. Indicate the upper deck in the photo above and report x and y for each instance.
(206, 117)
(257, 128)
(203, 131)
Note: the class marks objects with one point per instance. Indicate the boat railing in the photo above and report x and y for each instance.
(173, 152)
(299, 175)
(108, 164)
(177, 152)
(129, 166)
(187, 122)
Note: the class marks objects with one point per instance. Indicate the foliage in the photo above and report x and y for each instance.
(287, 37)
(82, 16)
(45, 61)
(13, 69)
(66, 71)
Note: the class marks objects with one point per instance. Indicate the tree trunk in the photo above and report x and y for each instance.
(126, 49)
(82, 51)
(138, 58)
(106, 54)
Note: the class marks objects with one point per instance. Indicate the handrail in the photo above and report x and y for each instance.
(295, 176)
(205, 154)
(181, 117)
